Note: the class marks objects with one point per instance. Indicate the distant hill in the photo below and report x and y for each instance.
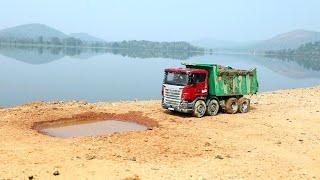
(86, 37)
(36, 31)
(31, 31)
(39, 35)
(289, 40)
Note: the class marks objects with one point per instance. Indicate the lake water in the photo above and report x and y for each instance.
(32, 74)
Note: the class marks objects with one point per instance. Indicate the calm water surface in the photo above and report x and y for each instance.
(33, 74)
(93, 128)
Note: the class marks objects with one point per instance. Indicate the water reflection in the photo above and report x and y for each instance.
(306, 61)
(43, 55)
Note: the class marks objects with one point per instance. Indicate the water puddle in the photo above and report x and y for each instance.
(92, 128)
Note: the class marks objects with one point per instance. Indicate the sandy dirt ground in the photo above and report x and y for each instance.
(278, 139)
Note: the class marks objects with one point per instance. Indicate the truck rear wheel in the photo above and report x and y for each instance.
(244, 105)
(213, 107)
(199, 108)
(232, 105)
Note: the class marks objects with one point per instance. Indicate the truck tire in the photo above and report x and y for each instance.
(232, 105)
(199, 108)
(213, 107)
(244, 105)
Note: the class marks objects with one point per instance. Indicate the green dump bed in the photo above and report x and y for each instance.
(226, 81)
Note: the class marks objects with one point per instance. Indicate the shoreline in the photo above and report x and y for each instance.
(121, 100)
(278, 138)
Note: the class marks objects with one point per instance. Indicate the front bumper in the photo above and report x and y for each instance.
(184, 107)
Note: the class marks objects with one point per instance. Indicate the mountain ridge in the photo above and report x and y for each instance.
(31, 31)
(86, 37)
(35, 31)
(288, 40)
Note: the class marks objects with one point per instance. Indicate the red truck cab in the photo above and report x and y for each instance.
(182, 87)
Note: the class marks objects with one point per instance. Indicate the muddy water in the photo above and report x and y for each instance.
(92, 128)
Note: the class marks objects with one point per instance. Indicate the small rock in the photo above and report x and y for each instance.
(135, 177)
(30, 177)
(207, 144)
(150, 128)
(317, 111)
(90, 157)
(279, 142)
(301, 140)
(56, 173)
(133, 159)
(219, 157)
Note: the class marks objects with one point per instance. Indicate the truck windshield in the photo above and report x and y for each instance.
(176, 78)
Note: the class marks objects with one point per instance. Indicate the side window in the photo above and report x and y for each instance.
(199, 77)
(202, 77)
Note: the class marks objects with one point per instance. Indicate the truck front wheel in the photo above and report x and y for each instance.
(232, 105)
(199, 108)
(213, 107)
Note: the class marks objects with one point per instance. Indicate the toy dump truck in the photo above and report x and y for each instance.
(208, 88)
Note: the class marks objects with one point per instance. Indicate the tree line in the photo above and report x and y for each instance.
(74, 42)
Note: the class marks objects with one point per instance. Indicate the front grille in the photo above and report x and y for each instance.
(172, 95)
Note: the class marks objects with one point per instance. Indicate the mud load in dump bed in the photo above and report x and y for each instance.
(208, 88)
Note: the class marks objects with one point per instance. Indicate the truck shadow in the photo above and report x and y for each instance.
(178, 114)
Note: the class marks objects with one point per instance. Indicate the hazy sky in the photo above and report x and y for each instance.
(238, 20)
